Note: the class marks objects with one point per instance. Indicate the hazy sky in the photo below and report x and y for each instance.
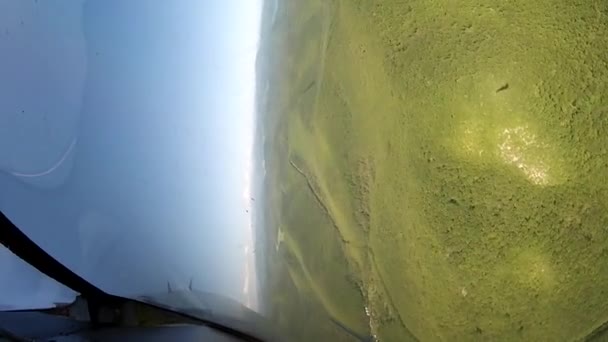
(126, 130)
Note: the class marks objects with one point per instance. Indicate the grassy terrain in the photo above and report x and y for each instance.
(442, 164)
(311, 282)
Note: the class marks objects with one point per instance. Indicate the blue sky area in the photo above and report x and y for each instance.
(126, 131)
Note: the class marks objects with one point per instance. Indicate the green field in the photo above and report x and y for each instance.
(437, 170)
